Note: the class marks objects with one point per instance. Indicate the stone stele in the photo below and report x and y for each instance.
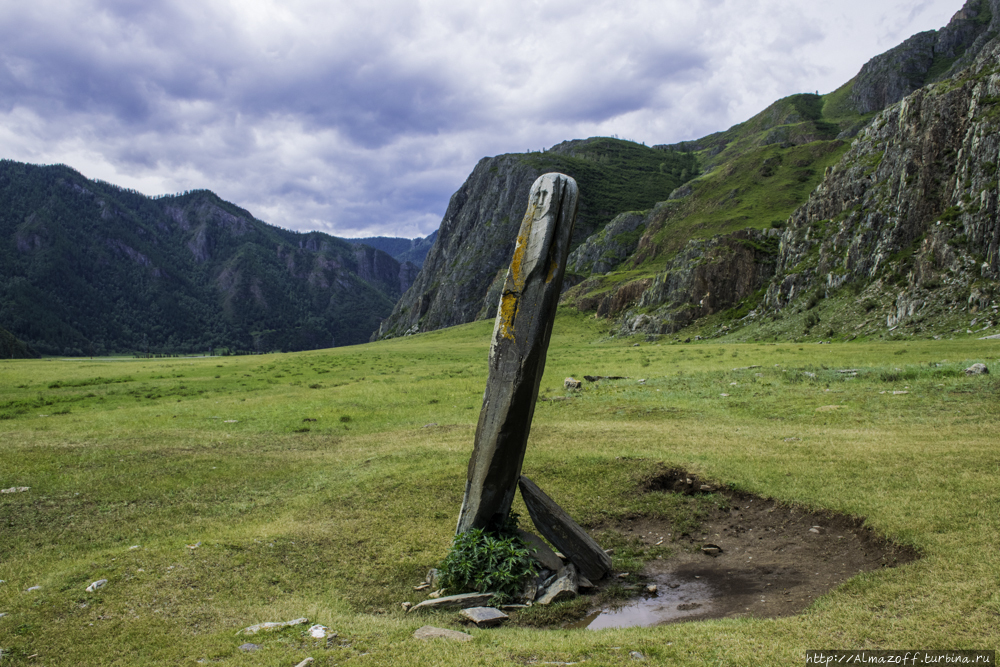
(517, 352)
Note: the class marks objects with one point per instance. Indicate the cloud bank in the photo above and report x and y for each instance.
(363, 120)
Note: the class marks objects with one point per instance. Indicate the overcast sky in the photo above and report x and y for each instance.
(362, 119)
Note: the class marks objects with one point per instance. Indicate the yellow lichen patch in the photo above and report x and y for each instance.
(508, 309)
(552, 271)
(522, 245)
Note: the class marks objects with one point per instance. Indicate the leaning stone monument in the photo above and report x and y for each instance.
(516, 363)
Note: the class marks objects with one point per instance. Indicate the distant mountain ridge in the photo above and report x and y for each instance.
(87, 267)
(403, 250)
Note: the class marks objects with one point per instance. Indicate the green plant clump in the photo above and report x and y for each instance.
(482, 560)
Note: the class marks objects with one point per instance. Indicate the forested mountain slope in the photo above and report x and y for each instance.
(88, 268)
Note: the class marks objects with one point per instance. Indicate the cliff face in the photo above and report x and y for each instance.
(463, 272)
(707, 276)
(476, 237)
(926, 57)
(912, 207)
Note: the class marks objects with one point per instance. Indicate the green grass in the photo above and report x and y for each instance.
(336, 519)
(762, 186)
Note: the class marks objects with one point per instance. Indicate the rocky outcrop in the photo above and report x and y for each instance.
(706, 277)
(926, 57)
(609, 247)
(912, 205)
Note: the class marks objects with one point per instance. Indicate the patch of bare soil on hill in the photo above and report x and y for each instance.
(755, 558)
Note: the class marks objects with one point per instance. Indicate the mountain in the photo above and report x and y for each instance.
(760, 211)
(463, 273)
(403, 250)
(87, 267)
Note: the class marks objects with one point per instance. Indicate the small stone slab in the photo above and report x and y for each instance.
(97, 584)
(559, 528)
(977, 369)
(565, 587)
(540, 551)
(463, 601)
(485, 617)
(430, 632)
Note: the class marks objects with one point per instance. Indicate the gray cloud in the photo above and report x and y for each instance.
(363, 120)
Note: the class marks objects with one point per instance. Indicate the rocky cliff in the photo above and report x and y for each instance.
(912, 207)
(926, 57)
(463, 272)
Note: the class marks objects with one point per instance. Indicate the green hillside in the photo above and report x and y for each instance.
(616, 175)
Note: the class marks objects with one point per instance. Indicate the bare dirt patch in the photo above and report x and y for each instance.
(751, 556)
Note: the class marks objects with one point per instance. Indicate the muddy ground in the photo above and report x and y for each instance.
(756, 558)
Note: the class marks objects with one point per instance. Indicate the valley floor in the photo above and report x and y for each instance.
(216, 493)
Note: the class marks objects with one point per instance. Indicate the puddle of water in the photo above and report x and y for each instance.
(675, 598)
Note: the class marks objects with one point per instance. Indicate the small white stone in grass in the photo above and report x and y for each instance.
(194, 546)
(97, 584)
(15, 489)
(319, 632)
(33, 588)
(253, 629)
(134, 547)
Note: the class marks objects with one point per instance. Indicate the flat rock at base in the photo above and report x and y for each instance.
(541, 552)
(565, 587)
(430, 632)
(485, 617)
(559, 528)
(463, 601)
(977, 369)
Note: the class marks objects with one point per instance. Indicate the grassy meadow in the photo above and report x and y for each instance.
(216, 493)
